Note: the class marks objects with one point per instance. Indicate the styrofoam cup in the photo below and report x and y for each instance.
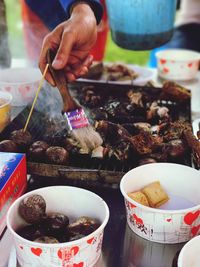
(73, 202)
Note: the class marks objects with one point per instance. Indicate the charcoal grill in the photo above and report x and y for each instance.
(85, 169)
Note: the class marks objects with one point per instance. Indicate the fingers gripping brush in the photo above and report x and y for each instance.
(77, 120)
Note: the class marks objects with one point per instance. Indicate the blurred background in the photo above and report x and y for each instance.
(16, 41)
(106, 49)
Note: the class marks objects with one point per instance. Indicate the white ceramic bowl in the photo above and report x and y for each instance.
(73, 202)
(176, 221)
(22, 83)
(177, 64)
(190, 254)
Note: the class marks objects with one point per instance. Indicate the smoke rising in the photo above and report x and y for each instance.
(50, 103)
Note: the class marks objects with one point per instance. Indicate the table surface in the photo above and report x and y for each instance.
(121, 247)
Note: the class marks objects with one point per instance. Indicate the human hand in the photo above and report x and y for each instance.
(73, 40)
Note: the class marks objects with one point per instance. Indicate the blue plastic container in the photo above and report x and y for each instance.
(141, 24)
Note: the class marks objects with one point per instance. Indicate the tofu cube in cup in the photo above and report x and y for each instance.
(178, 219)
(74, 203)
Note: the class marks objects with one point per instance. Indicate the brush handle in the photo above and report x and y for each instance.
(69, 103)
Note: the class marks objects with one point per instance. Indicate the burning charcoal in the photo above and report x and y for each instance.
(57, 155)
(8, 146)
(146, 161)
(38, 149)
(21, 138)
(46, 240)
(76, 237)
(30, 232)
(176, 149)
(32, 208)
(83, 226)
(56, 223)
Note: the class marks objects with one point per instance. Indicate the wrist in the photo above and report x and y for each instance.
(81, 7)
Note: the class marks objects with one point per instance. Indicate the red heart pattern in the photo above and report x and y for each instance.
(169, 220)
(165, 70)
(21, 247)
(190, 65)
(24, 91)
(80, 264)
(36, 251)
(132, 206)
(89, 241)
(137, 219)
(65, 252)
(195, 230)
(163, 61)
(191, 217)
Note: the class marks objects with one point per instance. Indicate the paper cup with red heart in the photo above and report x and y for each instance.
(190, 253)
(21, 83)
(178, 220)
(73, 202)
(177, 64)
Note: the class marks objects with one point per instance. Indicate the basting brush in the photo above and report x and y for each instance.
(77, 120)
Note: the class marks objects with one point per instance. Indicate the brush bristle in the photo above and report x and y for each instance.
(87, 137)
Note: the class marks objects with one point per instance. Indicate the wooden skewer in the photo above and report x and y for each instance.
(36, 96)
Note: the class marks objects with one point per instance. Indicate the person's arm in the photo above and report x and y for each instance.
(72, 41)
(94, 4)
(54, 12)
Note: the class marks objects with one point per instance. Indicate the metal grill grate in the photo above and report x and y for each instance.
(83, 167)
